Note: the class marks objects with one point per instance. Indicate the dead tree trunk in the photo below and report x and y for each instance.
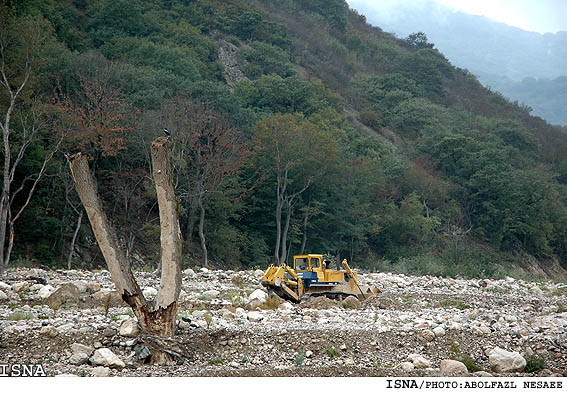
(158, 317)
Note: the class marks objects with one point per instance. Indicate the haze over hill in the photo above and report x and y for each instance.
(501, 56)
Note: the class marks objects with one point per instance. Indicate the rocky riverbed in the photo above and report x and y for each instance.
(73, 323)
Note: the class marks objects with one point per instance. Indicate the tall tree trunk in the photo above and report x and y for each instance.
(74, 239)
(202, 232)
(191, 220)
(289, 248)
(305, 221)
(283, 256)
(159, 317)
(162, 319)
(279, 205)
(5, 200)
(3, 226)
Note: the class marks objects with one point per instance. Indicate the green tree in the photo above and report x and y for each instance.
(419, 41)
(263, 59)
(25, 119)
(295, 153)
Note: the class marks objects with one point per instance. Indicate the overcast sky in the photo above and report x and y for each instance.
(543, 16)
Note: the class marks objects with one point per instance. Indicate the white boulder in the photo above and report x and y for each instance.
(502, 361)
(258, 295)
(255, 316)
(129, 328)
(419, 361)
(105, 357)
(45, 291)
(453, 367)
(149, 292)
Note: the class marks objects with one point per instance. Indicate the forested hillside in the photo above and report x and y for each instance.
(297, 127)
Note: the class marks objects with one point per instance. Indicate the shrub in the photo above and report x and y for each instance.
(299, 359)
(20, 316)
(469, 363)
(332, 352)
(534, 364)
(217, 360)
(456, 303)
(271, 303)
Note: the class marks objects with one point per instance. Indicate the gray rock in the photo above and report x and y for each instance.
(21, 286)
(65, 294)
(535, 290)
(453, 367)
(184, 325)
(105, 357)
(81, 286)
(93, 287)
(419, 361)
(78, 358)
(3, 296)
(67, 328)
(482, 374)
(502, 361)
(36, 287)
(49, 331)
(131, 343)
(439, 331)
(100, 372)
(4, 286)
(109, 332)
(255, 316)
(106, 297)
(427, 335)
(228, 58)
(130, 328)
(286, 306)
(149, 292)
(258, 273)
(351, 302)
(211, 293)
(145, 353)
(189, 273)
(45, 291)
(77, 348)
(259, 295)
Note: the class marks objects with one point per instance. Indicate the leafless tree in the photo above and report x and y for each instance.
(157, 317)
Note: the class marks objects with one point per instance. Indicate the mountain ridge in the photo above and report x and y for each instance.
(500, 55)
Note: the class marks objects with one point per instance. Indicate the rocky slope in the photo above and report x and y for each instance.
(72, 323)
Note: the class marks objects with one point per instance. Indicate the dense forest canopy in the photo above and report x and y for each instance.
(297, 127)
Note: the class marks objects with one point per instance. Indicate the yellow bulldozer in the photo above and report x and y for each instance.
(312, 275)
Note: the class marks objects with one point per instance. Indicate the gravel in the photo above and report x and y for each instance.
(409, 329)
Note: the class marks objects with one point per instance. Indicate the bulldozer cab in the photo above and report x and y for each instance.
(307, 263)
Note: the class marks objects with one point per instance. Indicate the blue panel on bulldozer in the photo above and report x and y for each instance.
(308, 278)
